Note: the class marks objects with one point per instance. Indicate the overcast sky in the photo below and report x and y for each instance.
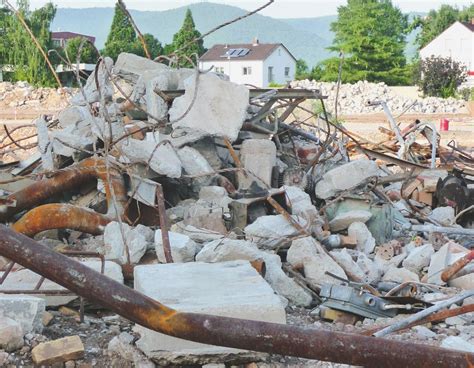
(279, 9)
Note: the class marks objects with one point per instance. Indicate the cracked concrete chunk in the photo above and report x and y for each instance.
(11, 334)
(231, 289)
(26, 310)
(115, 247)
(345, 177)
(183, 248)
(219, 108)
(344, 220)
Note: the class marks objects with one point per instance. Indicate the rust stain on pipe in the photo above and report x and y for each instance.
(61, 216)
(457, 266)
(68, 179)
(223, 331)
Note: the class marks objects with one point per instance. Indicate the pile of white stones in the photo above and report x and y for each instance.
(353, 98)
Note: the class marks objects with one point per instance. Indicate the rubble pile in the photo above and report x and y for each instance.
(21, 95)
(204, 195)
(353, 99)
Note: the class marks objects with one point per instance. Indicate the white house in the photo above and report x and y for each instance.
(256, 64)
(456, 42)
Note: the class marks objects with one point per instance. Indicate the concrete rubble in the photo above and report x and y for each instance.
(190, 191)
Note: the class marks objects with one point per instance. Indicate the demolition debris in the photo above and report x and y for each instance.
(220, 224)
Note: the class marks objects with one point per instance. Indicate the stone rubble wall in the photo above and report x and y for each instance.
(353, 99)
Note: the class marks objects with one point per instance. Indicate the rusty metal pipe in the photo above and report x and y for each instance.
(69, 179)
(61, 216)
(223, 331)
(457, 266)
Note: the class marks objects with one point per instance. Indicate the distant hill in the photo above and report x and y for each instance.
(164, 24)
(306, 38)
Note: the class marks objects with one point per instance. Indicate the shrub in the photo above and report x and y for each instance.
(440, 77)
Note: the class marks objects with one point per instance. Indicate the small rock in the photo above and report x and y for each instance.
(11, 334)
(363, 236)
(443, 215)
(400, 275)
(456, 343)
(344, 220)
(424, 332)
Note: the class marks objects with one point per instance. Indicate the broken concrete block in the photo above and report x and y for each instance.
(161, 156)
(219, 107)
(272, 231)
(424, 332)
(465, 282)
(193, 162)
(229, 250)
(71, 140)
(232, 289)
(419, 258)
(198, 235)
(115, 249)
(122, 345)
(344, 220)
(205, 216)
(25, 310)
(131, 66)
(25, 279)
(315, 271)
(373, 271)
(58, 351)
(183, 249)
(258, 157)
(11, 334)
(400, 275)
(44, 144)
(445, 256)
(90, 88)
(457, 343)
(350, 267)
(363, 236)
(443, 215)
(75, 116)
(345, 177)
(301, 251)
(300, 203)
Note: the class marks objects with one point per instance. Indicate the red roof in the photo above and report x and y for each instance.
(258, 51)
(469, 25)
(69, 35)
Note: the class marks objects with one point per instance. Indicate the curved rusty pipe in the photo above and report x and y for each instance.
(274, 338)
(68, 179)
(61, 216)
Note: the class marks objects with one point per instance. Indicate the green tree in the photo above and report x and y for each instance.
(88, 53)
(302, 70)
(434, 23)
(153, 45)
(185, 36)
(372, 36)
(439, 20)
(29, 65)
(121, 37)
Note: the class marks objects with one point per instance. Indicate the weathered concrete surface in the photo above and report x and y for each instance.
(24, 309)
(27, 280)
(258, 156)
(346, 219)
(219, 108)
(11, 334)
(116, 248)
(232, 289)
(183, 248)
(345, 177)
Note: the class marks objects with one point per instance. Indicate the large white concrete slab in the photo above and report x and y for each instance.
(232, 289)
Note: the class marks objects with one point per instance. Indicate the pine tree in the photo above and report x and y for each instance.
(185, 36)
(121, 37)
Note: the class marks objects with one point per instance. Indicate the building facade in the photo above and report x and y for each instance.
(254, 64)
(456, 42)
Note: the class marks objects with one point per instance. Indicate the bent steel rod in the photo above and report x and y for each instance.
(222, 331)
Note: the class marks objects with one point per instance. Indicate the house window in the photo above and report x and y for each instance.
(220, 69)
(247, 70)
(287, 71)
